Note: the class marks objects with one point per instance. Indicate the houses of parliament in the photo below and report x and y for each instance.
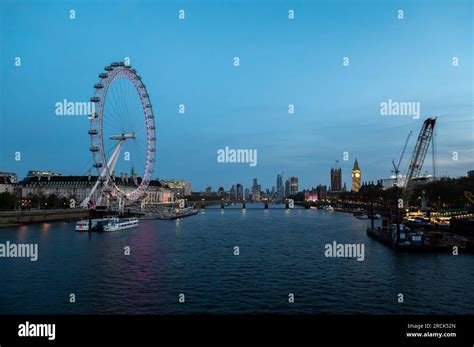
(336, 178)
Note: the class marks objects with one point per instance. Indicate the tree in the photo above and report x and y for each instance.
(7, 201)
(51, 201)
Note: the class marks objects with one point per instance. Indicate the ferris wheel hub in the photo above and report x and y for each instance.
(123, 137)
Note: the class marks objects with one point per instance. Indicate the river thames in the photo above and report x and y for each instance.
(280, 252)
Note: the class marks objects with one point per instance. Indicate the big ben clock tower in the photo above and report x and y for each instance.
(356, 177)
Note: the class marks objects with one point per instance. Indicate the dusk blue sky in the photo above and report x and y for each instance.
(282, 62)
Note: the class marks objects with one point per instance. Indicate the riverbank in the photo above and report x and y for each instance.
(15, 218)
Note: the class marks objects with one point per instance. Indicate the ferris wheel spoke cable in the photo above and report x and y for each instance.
(108, 116)
(121, 97)
(116, 127)
(118, 109)
(112, 127)
(140, 159)
(128, 100)
(116, 104)
(126, 91)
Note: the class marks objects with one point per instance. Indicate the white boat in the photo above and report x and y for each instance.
(361, 215)
(121, 224)
(364, 215)
(96, 224)
(82, 225)
(328, 208)
(172, 212)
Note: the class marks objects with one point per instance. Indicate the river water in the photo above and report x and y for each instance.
(280, 252)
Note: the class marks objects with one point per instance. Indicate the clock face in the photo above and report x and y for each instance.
(357, 175)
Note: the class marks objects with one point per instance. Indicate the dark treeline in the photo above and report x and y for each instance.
(8, 201)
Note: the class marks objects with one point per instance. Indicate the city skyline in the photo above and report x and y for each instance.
(341, 186)
(336, 107)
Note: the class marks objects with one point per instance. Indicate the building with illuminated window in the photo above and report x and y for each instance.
(180, 188)
(293, 185)
(79, 187)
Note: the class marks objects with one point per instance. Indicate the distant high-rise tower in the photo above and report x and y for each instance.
(256, 188)
(293, 185)
(336, 179)
(240, 191)
(280, 188)
(356, 177)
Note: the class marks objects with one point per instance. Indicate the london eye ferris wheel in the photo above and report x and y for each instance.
(122, 135)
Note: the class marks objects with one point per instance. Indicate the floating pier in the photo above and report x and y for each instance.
(421, 241)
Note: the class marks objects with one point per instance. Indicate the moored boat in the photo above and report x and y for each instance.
(116, 224)
(95, 224)
(175, 213)
(171, 212)
(363, 215)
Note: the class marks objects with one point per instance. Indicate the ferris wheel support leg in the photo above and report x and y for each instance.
(113, 159)
(111, 165)
(88, 198)
(121, 205)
